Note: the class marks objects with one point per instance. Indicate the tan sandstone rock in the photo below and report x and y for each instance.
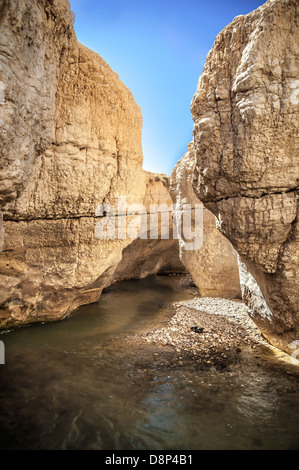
(213, 266)
(246, 141)
(156, 250)
(70, 141)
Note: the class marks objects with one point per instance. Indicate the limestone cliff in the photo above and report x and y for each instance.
(156, 250)
(70, 141)
(246, 141)
(35, 40)
(213, 266)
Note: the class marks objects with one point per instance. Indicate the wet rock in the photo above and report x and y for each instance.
(197, 329)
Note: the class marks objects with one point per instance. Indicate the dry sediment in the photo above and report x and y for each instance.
(208, 326)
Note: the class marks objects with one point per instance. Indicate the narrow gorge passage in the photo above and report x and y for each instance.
(96, 380)
(149, 297)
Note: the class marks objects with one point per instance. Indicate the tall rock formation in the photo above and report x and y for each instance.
(214, 265)
(246, 141)
(156, 250)
(70, 141)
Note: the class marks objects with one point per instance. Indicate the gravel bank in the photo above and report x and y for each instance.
(208, 325)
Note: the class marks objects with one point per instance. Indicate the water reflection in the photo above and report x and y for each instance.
(78, 384)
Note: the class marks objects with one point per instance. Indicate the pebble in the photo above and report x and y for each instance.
(222, 322)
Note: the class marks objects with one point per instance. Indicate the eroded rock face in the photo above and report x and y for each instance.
(156, 250)
(246, 119)
(213, 266)
(35, 38)
(71, 142)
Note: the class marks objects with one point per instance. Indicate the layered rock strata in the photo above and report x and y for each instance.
(246, 142)
(70, 141)
(214, 264)
(160, 227)
(156, 250)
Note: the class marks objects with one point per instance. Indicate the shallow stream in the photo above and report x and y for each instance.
(91, 382)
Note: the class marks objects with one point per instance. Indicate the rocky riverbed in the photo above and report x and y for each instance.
(211, 331)
(133, 372)
(208, 323)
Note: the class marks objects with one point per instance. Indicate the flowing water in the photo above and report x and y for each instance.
(88, 383)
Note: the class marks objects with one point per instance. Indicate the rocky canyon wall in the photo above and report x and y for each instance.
(70, 141)
(246, 143)
(214, 264)
(156, 250)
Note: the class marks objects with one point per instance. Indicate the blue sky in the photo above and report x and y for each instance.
(158, 48)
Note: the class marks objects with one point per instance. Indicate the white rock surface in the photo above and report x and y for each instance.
(246, 142)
